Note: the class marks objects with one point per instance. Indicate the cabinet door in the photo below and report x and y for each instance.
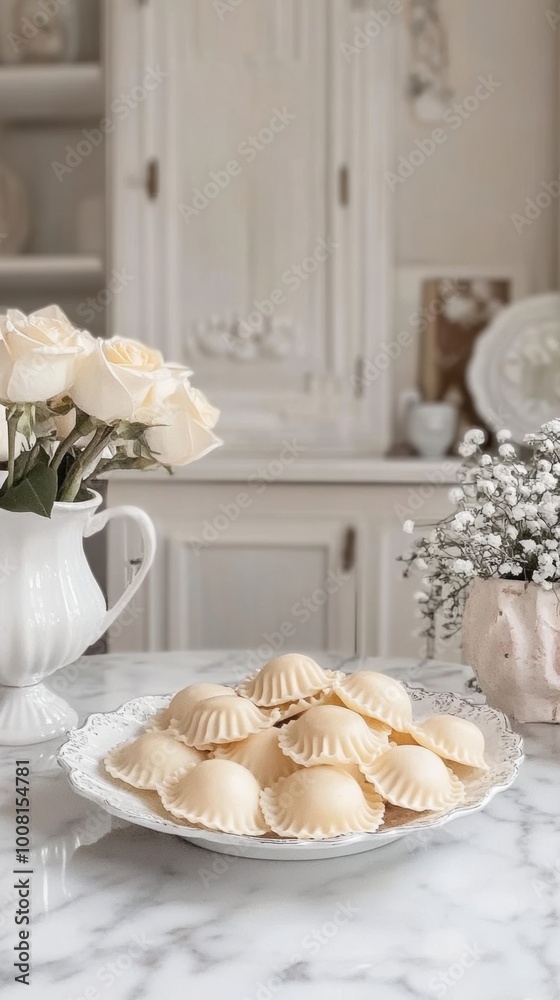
(267, 584)
(261, 246)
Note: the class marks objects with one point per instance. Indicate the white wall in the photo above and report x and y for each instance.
(456, 207)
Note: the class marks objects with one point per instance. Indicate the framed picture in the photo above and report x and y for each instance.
(453, 305)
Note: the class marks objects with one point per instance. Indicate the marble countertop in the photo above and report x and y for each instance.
(470, 911)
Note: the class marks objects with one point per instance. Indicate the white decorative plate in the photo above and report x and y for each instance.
(514, 372)
(82, 756)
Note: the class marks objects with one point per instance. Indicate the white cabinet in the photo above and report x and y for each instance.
(294, 566)
(250, 206)
(270, 575)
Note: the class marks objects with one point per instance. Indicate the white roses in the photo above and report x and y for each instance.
(114, 379)
(81, 405)
(39, 354)
(179, 421)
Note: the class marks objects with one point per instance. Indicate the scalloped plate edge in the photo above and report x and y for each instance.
(77, 740)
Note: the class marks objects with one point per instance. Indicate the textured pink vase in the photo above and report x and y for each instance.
(511, 638)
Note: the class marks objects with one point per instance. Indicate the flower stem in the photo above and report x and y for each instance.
(30, 460)
(13, 421)
(71, 485)
(84, 426)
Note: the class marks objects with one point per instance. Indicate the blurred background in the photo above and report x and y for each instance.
(343, 215)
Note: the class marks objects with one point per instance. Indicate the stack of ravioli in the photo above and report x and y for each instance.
(297, 751)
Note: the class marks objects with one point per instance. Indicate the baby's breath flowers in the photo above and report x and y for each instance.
(507, 525)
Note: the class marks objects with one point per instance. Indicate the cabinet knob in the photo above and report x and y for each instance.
(152, 179)
(349, 551)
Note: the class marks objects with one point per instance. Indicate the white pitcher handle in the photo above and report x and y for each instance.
(148, 533)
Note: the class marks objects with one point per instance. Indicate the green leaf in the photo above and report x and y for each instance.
(35, 494)
(128, 462)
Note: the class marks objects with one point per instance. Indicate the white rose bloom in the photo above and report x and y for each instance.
(503, 436)
(180, 421)
(39, 354)
(466, 450)
(115, 378)
(408, 526)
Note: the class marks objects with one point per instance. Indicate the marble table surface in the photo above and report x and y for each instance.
(470, 911)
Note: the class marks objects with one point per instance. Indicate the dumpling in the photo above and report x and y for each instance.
(320, 802)
(261, 755)
(415, 778)
(287, 678)
(218, 795)
(223, 720)
(181, 704)
(151, 758)
(453, 738)
(378, 696)
(331, 735)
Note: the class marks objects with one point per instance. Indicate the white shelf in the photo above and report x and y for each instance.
(68, 271)
(51, 93)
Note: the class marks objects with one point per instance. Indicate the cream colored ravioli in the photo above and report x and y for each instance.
(179, 710)
(377, 696)
(223, 720)
(320, 802)
(261, 755)
(150, 758)
(328, 734)
(415, 778)
(217, 795)
(452, 738)
(286, 679)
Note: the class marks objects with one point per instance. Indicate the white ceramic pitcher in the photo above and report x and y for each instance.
(52, 609)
